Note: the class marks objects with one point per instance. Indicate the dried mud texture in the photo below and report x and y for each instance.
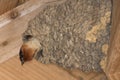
(72, 33)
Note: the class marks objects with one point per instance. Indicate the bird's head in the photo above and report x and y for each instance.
(28, 37)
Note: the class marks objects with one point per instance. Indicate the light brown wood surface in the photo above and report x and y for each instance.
(33, 70)
(6, 5)
(113, 66)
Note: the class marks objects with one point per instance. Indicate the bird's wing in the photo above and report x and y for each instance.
(38, 54)
(21, 56)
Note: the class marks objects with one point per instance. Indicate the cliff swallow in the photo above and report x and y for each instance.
(31, 46)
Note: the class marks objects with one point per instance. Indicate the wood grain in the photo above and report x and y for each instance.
(6, 5)
(113, 66)
(32, 70)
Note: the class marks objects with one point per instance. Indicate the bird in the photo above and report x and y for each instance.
(29, 49)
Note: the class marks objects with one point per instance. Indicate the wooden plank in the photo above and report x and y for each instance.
(33, 70)
(10, 47)
(14, 23)
(6, 5)
(113, 66)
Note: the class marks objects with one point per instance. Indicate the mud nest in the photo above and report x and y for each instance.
(73, 33)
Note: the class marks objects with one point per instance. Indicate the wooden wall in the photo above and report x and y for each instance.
(113, 66)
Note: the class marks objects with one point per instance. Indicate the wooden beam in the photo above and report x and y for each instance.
(113, 66)
(33, 70)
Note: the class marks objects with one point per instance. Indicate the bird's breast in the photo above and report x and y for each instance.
(28, 52)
